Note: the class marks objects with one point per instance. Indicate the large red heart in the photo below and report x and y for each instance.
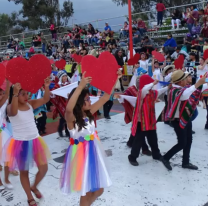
(3, 74)
(134, 60)
(60, 64)
(157, 55)
(206, 54)
(179, 62)
(77, 58)
(4, 63)
(30, 74)
(102, 70)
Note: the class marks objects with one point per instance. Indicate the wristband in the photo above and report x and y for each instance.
(15, 95)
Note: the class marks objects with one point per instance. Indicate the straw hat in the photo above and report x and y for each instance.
(178, 76)
(166, 69)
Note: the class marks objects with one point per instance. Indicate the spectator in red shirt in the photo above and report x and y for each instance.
(160, 8)
(142, 26)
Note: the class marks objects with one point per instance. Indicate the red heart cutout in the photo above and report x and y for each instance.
(157, 55)
(134, 60)
(4, 63)
(60, 64)
(77, 58)
(103, 70)
(30, 74)
(51, 61)
(3, 74)
(179, 62)
(206, 54)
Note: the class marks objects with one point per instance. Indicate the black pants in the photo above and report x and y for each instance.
(144, 144)
(184, 137)
(122, 88)
(139, 140)
(107, 108)
(62, 125)
(41, 122)
(159, 17)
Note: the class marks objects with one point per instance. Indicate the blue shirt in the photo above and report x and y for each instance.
(107, 28)
(170, 42)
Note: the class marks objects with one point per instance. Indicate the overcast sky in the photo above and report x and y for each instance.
(84, 10)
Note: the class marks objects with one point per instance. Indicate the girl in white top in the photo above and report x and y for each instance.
(26, 146)
(5, 134)
(144, 62)
(85, 169)
(203, 67)
(156, 73)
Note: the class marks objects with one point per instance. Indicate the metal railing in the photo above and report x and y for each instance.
(26, 37)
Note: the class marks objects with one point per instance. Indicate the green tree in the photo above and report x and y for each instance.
(40, 13)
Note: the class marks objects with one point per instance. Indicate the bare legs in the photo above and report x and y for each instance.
(24, 178)
(90, 197)
(6, 175)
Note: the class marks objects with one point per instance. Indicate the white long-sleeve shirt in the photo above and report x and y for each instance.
(145, 91)
(186, 94)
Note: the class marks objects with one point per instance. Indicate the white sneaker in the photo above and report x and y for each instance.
(9, 186)
(2, 187)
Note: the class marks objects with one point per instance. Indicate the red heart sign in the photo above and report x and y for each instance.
(60, 64)
(3, 74)
(30, 74)
(5, 63)
(102, 70)
(206, 54)
(77, 58)
(179, 62)
(157, 55)
(134, 60)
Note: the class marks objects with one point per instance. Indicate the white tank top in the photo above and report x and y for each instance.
(23, 125)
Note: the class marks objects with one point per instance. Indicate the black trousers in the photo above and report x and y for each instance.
(144, 144)
(41, 122)
(206, 103)
(107, 108)
(139, 140)
(184, 137)
(122, 88)
(62, 125)
(159, 17)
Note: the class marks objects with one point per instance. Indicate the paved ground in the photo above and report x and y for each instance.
(149, 184)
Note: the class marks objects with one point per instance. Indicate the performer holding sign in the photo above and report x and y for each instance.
(84, 169)
(26, 146)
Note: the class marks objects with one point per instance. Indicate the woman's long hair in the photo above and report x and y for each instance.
(79, 116)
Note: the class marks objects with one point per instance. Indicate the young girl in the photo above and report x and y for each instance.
(84, 169)
(5, 134)
(26, 146)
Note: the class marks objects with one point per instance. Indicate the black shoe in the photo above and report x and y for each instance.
(133, 161)
(129, 144)
(193, 132)
(168, 123)
(108, 117)
(147, 152)
(190, 166)
(206, 126)
(67, 135)
(61, 134)
(166, 163)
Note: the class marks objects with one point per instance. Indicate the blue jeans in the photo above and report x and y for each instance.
(95, 40)
(124, 33)
(142, 31)
(43, 48)
(76, 42)
(190, 27)
(159, 17)
(136, 40)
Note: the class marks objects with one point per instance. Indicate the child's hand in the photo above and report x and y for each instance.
(155, 82)
(47, 82)
(119, 74)
(85, 81)
(16, 88)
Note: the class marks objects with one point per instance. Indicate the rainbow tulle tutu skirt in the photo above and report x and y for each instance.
(84, 167)
(22, 155)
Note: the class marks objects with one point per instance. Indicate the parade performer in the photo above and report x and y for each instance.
(85, 169)
(144, 121)
(129, 110)
(182, 102)
(26, 146)
(60, 103)
(5, 135)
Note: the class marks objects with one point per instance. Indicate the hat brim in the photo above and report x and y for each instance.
(166, 68)
(185, 76)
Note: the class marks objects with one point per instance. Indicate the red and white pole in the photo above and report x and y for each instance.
(130, 30)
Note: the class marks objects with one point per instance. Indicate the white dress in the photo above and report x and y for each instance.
(85, 167)
(133, 79)
(157, 76)
(144, 64)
